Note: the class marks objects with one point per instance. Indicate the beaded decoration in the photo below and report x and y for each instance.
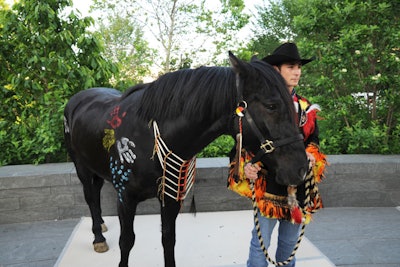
(178, 174)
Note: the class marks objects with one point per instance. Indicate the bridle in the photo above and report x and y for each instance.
(267, 146)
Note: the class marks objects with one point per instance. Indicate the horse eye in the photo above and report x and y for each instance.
(271, 106)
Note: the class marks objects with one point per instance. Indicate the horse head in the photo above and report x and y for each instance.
(268, 127)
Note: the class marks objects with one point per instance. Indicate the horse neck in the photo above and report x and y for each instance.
(199, 111)
(187, 138)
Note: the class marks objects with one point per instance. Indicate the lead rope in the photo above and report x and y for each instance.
(242, 106)
(257, 225)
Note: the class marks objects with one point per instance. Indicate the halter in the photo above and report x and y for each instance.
(267, 146)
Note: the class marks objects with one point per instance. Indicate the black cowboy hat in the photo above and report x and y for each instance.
(286, 53)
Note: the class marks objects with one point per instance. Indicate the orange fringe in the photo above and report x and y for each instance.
(269, 205)
(320, 162)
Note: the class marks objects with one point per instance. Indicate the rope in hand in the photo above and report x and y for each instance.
(257, 226)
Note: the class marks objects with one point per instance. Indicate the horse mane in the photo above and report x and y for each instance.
(198, 94)
(204, 93)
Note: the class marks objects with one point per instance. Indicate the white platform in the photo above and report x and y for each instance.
(210, 239)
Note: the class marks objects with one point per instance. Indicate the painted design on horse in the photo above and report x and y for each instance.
(192, 107)
(108, 139)
(119, 176)
(66, 127)
(116, 120)
(125, 152)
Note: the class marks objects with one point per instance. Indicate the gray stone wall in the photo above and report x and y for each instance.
(362, 181)
(53, 191)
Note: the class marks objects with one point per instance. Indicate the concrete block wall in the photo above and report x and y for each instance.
(362, 181)
(53, 191)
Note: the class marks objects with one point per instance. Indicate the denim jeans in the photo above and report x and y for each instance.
(288, 234)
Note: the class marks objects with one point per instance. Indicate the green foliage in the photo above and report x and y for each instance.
(355, 78)
(223, 25)
(273, 24)
(124, 42)
(47, 56)
(220, 147)
(358, 139)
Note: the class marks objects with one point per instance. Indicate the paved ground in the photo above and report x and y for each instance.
(350, 237)
(209, 239)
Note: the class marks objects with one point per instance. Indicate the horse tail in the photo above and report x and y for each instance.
(67, 133)
(67, 136)
(193, 208)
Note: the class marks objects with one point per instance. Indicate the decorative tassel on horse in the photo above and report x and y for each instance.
(239, 112)
(295, 211)
(258, 229)
(298, 215)
(178, 174)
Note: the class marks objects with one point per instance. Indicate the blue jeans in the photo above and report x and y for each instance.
(288, 234)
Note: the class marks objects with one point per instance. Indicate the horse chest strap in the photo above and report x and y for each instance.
(178, 174)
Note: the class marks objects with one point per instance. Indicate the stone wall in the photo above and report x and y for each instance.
(362, 181)
(53, 191)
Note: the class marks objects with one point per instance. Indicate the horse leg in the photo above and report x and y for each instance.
(92, 185)
(126, 214)
(169, 212)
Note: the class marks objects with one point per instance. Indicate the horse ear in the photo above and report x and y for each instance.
(240, 70)
(254, 58)
(237, 65)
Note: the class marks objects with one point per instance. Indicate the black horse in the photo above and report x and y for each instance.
(118, 137)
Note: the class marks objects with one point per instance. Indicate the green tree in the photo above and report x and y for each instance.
(359, 54)
(356, 75)
(47, 55)
(272, 25)
(124, 42)
(221, 24)
(166, 21)
(184, 32)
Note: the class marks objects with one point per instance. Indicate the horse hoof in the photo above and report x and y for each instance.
(100, 247)
(104, 228)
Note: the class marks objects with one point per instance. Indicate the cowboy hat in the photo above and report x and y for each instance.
(286, 53)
